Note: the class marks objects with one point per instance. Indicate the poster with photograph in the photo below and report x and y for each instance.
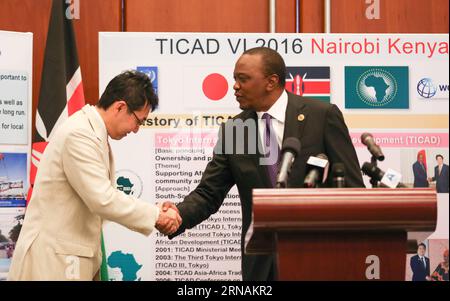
(13, 179)
(11, 220)
(438, 251)
(426, 167)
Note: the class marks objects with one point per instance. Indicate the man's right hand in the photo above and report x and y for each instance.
(169, 220)
(167, 205)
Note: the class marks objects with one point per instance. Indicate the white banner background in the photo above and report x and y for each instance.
(182, 73)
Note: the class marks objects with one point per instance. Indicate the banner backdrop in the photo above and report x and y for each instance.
(394, 86)
(16, 59)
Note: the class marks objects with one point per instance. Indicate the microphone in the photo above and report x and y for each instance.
(338, 172)
(374, 149)
(316, 170)
(390, 178)
(290, 150)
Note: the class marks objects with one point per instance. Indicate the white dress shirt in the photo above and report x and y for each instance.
(278, 113)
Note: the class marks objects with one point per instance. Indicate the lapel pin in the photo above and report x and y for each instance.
(301, 117)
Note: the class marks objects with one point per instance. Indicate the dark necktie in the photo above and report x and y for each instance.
(422, 261)
(272, 148)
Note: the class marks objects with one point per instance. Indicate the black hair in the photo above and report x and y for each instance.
(423, 245)
(273, 63)
(439, 155)
(133, 87)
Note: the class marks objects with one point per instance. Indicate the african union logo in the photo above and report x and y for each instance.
(376, 87)
(129, 182)
(426, 88)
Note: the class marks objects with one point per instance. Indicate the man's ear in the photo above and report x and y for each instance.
(119, 105)
(273, 82)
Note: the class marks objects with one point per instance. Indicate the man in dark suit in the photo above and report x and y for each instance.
(440, 175)
(420, 264)
(259, 88)
(420, 172)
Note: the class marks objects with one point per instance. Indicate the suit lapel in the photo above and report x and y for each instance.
(294, 126)
(296, 117)
(102, 136)
(254, 159)
(111, 166)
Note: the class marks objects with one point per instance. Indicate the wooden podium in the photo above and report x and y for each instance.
(339, 234)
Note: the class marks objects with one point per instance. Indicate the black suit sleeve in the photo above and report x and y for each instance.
(412, 264)
(339, 147)
(207, 198)
(436, 170)
(445, 172)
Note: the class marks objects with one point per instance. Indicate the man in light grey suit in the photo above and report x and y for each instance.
(74, 189)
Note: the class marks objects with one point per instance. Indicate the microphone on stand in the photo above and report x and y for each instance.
(338, 172)
(291, 148)
(374, 149)
(390, 178)
(316, 171)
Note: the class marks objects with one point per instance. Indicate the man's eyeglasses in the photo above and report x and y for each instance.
(138, 121)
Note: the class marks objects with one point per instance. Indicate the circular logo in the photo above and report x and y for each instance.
(129, 182)
(152, 75)
(215, 86)
(426, 88)
(376, 87)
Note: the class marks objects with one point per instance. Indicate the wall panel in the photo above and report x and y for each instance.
(396, 16)
(312, 13)
(29, 16)
(285, 16)
(95, 16)
(197, 15)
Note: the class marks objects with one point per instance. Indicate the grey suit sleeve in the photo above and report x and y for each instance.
(340, 148)
(207, 198)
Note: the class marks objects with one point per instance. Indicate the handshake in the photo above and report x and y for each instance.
(169, 219)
